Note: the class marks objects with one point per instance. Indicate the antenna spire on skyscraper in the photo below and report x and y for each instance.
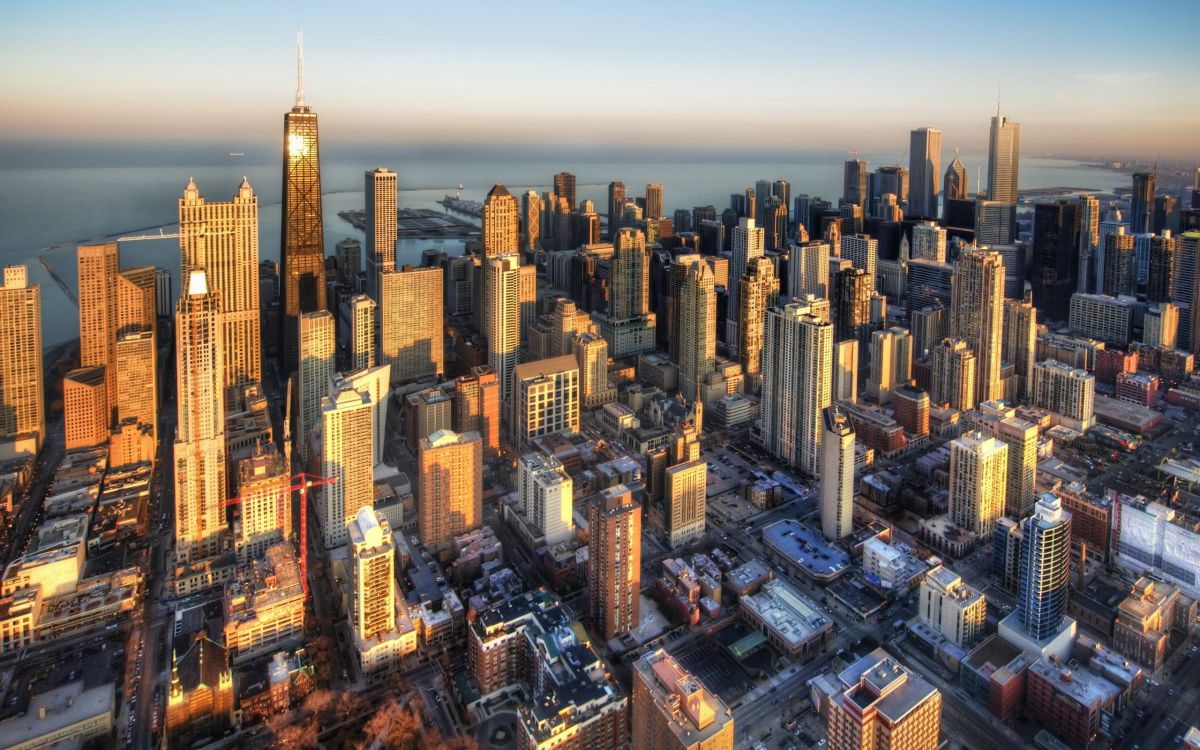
(299, 68)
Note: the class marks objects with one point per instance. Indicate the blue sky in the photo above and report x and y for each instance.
(1082, 77)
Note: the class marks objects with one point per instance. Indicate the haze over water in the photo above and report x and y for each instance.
(57, 194)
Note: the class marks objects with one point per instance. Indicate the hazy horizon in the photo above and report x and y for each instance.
(668, 76)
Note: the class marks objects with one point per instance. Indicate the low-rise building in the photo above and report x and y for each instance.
(957, 610)
(793, 625)
(264, 604)
(1068, 701)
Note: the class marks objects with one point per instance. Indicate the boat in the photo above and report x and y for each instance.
(236, 153)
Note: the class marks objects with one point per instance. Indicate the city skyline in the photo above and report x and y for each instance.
(1070, 112)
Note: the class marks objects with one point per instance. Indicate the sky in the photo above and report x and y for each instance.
(1083, 78)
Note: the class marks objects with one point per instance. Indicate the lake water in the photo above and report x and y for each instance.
(57, 194)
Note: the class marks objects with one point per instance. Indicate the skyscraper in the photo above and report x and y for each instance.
(564, 187)
(891, 362)
(747, 244)
(797, 368)
(851, 303)
(1067, 391)
(837, 474)
(501, 232)
(477, 406)
(265, 500)
(1089, 241)
(97, 265)
(928, 242)
(808, 270)
(629, 285)
(531, 222)
(854, 183)
(953, 374)
(614, 564)
(758, 290)
(86, 416)
(591, 355)
(358, 322)
(924, 166)
(347, 448)
(1160, 274)
(1004, 159)
(380, 190)
(862, 251)
(696, 330)
(302, 252)
(1021, 437)
(1045, 567)
(502, 317)
(978, 482)
(977, 316)
(545, 399)
(22, 395)
(376, 383)
(654, 200)
(1120, 271)
(616, 206)
(1020, 339)
(544, 495)
(845, 371)
(222, 239)
(954, 184)
(1056, 241)
(317, 363)
(1141, 203)
(200, 431)
(672, 710)
(376, 620)
(411, 337)
(450, 500)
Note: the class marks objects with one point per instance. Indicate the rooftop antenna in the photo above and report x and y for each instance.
(299, 68)
(997, 101)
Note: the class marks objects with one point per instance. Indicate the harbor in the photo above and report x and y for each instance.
(418, 224)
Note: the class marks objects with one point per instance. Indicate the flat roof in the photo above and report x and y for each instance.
(806, 548)
(786, 612)
(65, 706)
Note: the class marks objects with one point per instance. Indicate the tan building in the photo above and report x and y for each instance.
(545, 399)
(891, 363)
(953, 374)
(1067, 391)
(953, 608)
(200, 487)
(318, 361)
(614, 561)
(346, 457)
(695, 324)
(411, 328)
(837, 474)
(264, 503)
(136, 371)
(1020, 340)
(629, 275)
(22, 395)
(1145, 619)
(477, 406)
(222, 239)
(501, 318)
(85, 408)
(1021, 437)
(97, 267)
(881, 705)
(758, 290)
(264, 604)
(501, 223)
(978, 480)
(672, 710)
(685, 497)
(809, 270)
(425, 412)
(450, 490)
(383, 632)
(977, 316)
(358, 322)
(591, 354)
(380, 192)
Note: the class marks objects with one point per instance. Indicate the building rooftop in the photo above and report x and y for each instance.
(878, 681)
(1080, 685)
(55, 710)
(545, 367)
(694, 714)
(788, 613)
(806, 548)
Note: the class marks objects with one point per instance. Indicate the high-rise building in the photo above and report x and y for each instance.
(854, 183)
(1141, 203)
(222, 239)
(1185, 289)
(1120, 268)
(382, 630)
(1045, 567)
(136, 304)
(851, 303)
(1019, 339)
(1160, 326)
(136, 371)
(954, 184)
(696, 330)
(977, 316)
(317, 362)
(348, 253)
(654, 200)
(86, 416)
(758, 290)
(629, 282)
(264, 484)
(797, 373)
(1089, 241)
(164, 293)
(845, 371)
(928, 242)
(882, 705)
(616, 206)
(450, 499)
(502, 317)
(614, 561)
(1160, 274)
(978, 482)
(564, 187)
(862, 251)
(925, 166)
(22, 395)
(911, 408)
(380, 189)
(891, 362)
(347, 427)
(477, 406)
(200, 488)
(545, 398)
(501, 227)
(953, 374)
(1021, 437)
(591, 354)
(747, 244)
(358, 324)
(837, 474)
(808, 270)
(951, 607)
(97, 265)
(376, 383)
(1004, 158)
(545, 495)
(1056, 240)
(531, 222)
(685, 499)
(1067, 391)
(302, 252)
(672, 710)
(411, 335)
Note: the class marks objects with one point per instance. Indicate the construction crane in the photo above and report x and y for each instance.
(301, 483)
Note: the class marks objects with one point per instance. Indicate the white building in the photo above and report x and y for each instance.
(545, 496)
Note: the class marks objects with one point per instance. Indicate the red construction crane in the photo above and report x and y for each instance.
(301, 483)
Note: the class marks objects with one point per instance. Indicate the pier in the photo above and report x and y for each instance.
(419, 224)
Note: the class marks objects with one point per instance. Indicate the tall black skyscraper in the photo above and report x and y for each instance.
(302, 252)
(1055, 257)
(1141, 203)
